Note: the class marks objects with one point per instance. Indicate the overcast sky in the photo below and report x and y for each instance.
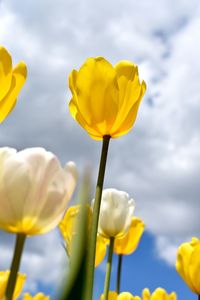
(158, 162)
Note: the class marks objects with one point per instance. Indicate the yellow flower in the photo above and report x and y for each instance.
(105, 99)
(11, 82)
(121, 296)
(128, 243)
(68, 230)
(101, 247)
(111, 296)
(38, 296)
(19, 284)
(34, 190)
(158, 294)
(67, 225)
(123, 245)
(125, 296)
(188, 264)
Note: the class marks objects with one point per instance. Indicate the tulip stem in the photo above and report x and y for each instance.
(108, 269)
(95, 219)
(119, 270)
(19, 245)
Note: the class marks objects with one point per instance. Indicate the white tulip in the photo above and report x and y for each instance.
(116, 213)
(34, 190)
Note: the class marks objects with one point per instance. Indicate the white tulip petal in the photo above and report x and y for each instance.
(71, 174)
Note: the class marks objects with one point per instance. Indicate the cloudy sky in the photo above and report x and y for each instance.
(158, 162)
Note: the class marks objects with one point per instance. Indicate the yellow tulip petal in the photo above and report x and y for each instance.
(128, 243)
(125, 296)
(92, 130)
(72, 82)
(39, 296)
(127, 73)
(129, 93)
(172, 296)
(123, 125)
(183, 263)
(4, 280)
(194, 268)
(9, 101)
(74, 108)
(95, 81)
(159, 293)
(5, 72)
(111, 296)
(68, 225)
(101, 247)
(146, 294)
(126, 68)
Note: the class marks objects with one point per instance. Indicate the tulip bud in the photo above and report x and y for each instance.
(115, 213)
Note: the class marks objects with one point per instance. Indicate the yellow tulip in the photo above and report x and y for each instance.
(4, 280)
(68, 229)
(121, 296)
(67, 225)
(188, 264)
(11, 82)
(128, 243)
(123, 245)
(101, 247)
(111, 296)
(158, 294)
(125, 296)
(105, 98)
(38, 296)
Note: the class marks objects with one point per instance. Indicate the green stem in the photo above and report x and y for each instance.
(95, 219)
(119, 270)
(108, 269)
(19, 245)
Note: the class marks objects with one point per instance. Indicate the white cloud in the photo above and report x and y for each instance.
(167, 249)
(42, 260)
